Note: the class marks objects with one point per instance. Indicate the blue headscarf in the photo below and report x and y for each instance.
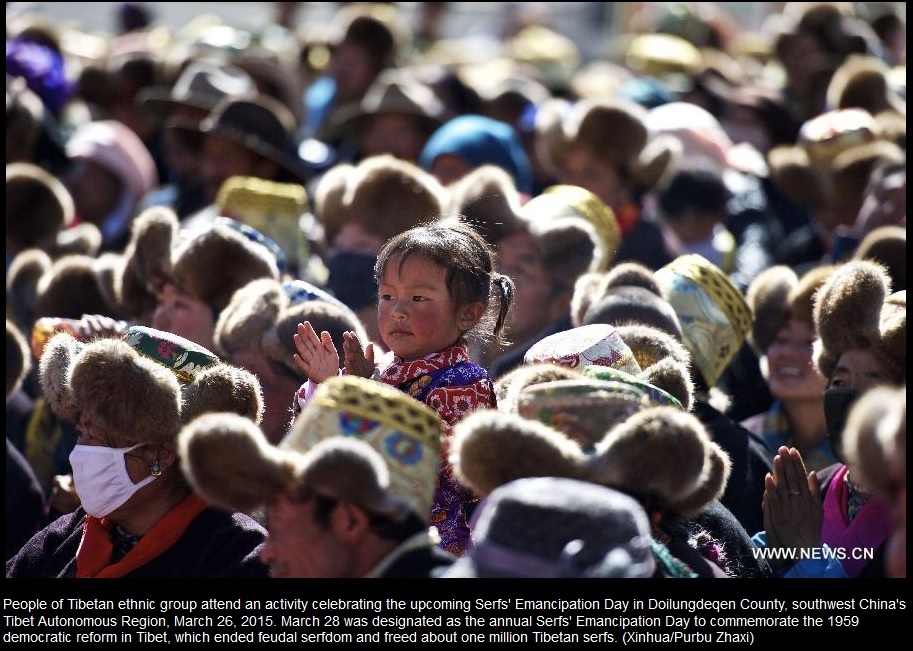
(480, 140)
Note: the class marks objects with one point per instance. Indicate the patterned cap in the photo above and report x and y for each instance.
(583, 409)
(405, 432)
(714, 315)
(657, 397)
(183, 357)
(598, 343)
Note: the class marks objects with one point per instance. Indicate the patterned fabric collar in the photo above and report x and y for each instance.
(399, 370)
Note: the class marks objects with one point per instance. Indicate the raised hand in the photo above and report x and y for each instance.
(793, 511)
(358, 360)
(317, 356)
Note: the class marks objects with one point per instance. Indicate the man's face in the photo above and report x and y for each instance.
(299, 546)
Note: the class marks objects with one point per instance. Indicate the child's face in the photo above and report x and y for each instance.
(415, 313)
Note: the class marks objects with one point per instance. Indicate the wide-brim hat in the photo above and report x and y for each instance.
(552, 527)
(201, 85)
(398, 91)
(262, 125)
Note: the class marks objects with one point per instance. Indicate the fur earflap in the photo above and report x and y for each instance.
(875, 438)
(388, 196)
(488, 200)
(126, 394)
(587, 288)
(22, 279)
(768, 297)
(215, 263)
(628, 274)
(791, 172)
(352, 471)
(663, 359)
(672, 377)
(851, 170)
(613, 130)
(53, 369)
(718, 467)
(490, 448)
(223, 388)
(18, 358)
(661, 455)
(147, 259)
(330, 199)
(887, 245)
(571, 247)
(632, 305)
(38, 206)
(862, 82)
(80, 239)
(847, 312)
(228, 460)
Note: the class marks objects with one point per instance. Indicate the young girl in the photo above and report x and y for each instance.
(435, 285)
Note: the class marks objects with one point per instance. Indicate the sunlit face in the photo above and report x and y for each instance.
(300, 547)
(860, 369)
(520, 258)
(581, 167)
(187, 316)
(415, 313)
(791, 373)
(95, 190)
(449, 169)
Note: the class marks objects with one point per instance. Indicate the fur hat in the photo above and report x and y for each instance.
(69, 287)
(264, 314)
(887, 245)
(614, 131)
(18, 361)
(552, 527)
(664, 360)
(853, 309)
(714, 315)
(383, 194)
(487, 199)
(861, 81)
(778, 294)
(833, 158)
(38, 207)
(597, 344)
(666, 458)
(875, 439)
(210, 264)
(357, 440)
(656, 395)
(119, 150)
(491, 448)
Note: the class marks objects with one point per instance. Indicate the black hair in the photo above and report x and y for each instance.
(382, 525)
(471, 278)
(697, 187)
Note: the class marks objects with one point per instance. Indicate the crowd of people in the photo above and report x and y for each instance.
(341, 301)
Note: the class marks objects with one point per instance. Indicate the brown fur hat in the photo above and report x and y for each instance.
(875, 439)
(862, 82)
(121, 391)
(265, 314)
(490, 448)
(69, 287)
(853, 309)
(218, 445)
(778, 294)
(664, 360)
(223, 388)
(211, 264)
(665, 457)
(383, 194)
(887, 245)
(612, 130)
(18, 358)
(38, 207)
(488, 200)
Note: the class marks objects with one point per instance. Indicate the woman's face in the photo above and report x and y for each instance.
(791, 373)
(581, 167)
(184, 315)
(860, 369)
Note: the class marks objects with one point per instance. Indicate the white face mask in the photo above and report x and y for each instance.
(101, 479)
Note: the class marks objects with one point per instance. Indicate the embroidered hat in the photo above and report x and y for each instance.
(552, 527)
(185, 358)
(357, 440)
(404, 431)
(714, 315)
(598, 343)
(656, 396)
(583, 409)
